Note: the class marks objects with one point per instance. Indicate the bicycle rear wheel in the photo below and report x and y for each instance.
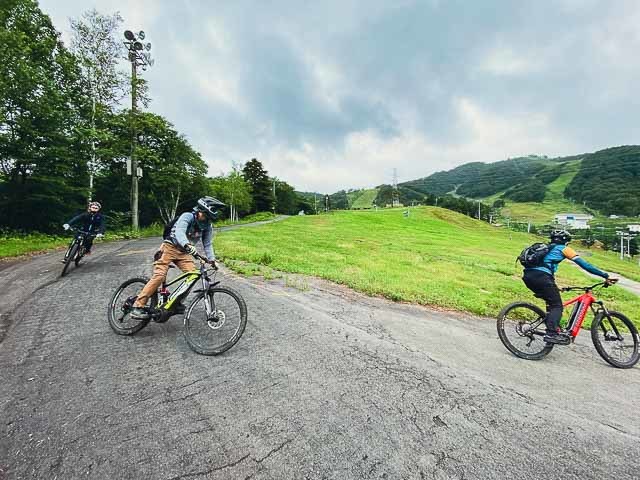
(521, 329)
(71, 255)
(216, 333)
(121, 304)
(616, 339)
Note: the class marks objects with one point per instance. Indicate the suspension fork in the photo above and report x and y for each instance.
(603, 312)
(209, 305)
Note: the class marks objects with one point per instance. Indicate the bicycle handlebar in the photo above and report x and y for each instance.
(206, 260)
(606, 284)
(79, 230)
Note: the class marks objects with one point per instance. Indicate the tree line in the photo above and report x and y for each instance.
(66, 135)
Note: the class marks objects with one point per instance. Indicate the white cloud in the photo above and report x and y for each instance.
(504, 60)
(339, 93)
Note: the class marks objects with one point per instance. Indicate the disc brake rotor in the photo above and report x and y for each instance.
(217, 320)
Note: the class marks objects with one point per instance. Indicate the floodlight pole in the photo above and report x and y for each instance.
(134, 160)
(136, 58)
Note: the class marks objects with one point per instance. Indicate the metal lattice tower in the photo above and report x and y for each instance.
(395, 195)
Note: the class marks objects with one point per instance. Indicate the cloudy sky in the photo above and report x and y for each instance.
(336, 94)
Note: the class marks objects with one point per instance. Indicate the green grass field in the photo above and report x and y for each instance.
(365, 199)
(14, 244)
(434, 257)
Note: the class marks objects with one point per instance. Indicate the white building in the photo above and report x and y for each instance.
(633, 228)
(577, 221)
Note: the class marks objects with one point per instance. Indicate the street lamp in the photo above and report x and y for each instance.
(138, 58)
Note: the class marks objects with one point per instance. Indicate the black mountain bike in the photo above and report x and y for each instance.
(76, 249)
(214, 321)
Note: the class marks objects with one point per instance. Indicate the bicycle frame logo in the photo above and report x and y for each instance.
(189, 278)
(582, 305)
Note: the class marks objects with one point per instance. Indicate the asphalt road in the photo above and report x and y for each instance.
(325, 384)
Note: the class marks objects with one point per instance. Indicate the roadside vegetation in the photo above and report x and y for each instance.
(15, 244)
(432, 257)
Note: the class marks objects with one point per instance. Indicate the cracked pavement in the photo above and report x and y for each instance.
(325, 384)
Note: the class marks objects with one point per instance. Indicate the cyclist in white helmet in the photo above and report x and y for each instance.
(92, 222)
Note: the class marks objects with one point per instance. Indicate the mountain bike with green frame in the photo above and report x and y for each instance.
(214, 321)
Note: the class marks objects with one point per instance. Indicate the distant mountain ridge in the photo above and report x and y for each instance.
(607, 180)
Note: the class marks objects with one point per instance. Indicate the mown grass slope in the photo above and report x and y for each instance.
(365, 199)
(434, 257)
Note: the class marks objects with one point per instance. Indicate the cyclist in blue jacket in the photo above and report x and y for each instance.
(541, 281)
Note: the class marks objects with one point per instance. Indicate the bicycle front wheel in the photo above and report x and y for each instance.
(616, 339)
(521, 329)
(79, 255)
(71, 255)
(218, 331)
(121, 304)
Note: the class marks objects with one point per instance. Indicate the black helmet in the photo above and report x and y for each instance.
(560, 237)
(209, 205)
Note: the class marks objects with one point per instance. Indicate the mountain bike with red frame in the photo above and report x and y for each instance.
(521, 328)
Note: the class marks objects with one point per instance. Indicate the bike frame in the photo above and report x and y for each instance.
(582, 303)
(78, 236)
(168, 299)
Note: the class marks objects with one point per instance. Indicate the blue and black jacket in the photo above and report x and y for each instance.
(91, 222)
(557, 253)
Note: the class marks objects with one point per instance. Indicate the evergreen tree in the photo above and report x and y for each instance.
(261, 188)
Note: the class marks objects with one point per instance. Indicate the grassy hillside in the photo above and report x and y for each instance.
(365, 199)
(553, 203)
(434, 257)
(609, 181)
(555, 190)
(605, 181)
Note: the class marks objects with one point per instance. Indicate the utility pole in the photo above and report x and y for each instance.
(274, 195)
(621, 235)
(315, 202)
(138, 58)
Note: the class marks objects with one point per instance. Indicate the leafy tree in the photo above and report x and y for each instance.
(233, 190)
(339, 200)
(609, 181)
(261, 188)
(287, 202)
(40, 103)
(98, 50)
(174, 173)
(531, 191)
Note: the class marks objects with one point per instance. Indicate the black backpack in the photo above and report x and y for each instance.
(533, 256)
(166, 233)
